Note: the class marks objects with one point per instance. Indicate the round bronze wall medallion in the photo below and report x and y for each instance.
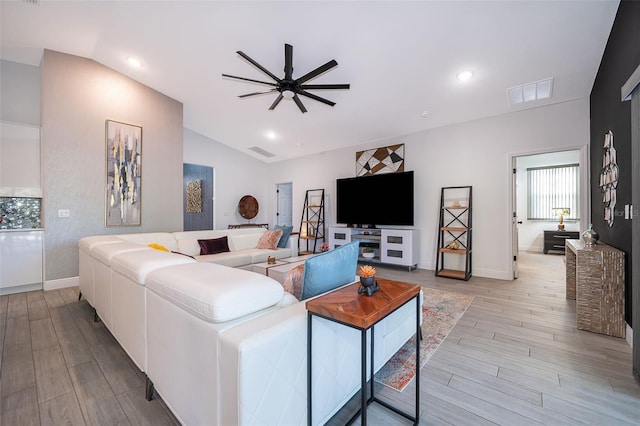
(248, 207)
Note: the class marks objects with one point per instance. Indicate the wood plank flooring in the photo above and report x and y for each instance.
(59, 367)
(515, 358)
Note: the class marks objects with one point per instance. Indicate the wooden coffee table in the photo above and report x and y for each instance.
(345, 306)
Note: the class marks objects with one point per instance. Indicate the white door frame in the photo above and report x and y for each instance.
(585, 191)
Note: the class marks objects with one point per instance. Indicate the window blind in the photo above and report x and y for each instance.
(550, 188)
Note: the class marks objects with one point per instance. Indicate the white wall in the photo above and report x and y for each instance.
(530, 232)
(20, 89)
(476, 153)
(78, 95)
(235, 175)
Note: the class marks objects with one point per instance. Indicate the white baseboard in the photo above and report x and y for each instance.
(61, 283)
(629, 335)
(20, 288)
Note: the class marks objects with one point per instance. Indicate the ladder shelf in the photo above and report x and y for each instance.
(312, 221)
(454, 233)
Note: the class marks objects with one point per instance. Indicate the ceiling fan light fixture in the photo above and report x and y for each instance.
(288, 94)
(288, 87)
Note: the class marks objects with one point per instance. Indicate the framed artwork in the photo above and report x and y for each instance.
(124, 173)
(388, 159)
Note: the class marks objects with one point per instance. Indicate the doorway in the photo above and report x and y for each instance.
(527, 234)
(284, 204)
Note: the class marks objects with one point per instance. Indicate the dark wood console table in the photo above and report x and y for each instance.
(249, 225)
(345, 306)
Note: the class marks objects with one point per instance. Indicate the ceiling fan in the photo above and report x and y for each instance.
(288, 87)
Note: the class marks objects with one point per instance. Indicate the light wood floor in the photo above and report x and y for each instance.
(515, 358)
(59, 367)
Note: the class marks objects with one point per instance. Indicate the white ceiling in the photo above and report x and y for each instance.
(400, 58)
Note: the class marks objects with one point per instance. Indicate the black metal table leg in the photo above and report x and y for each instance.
(363, 378)
(309, 354)
(418, 339)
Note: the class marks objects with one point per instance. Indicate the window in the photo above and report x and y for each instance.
(553, 189)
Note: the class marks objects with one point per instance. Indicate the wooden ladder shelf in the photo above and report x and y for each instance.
(454, 233)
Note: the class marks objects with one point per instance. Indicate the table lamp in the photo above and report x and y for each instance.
(561, 212)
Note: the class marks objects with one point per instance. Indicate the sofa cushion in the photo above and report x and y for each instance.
(329, 270)
(163, 238)
(138, 264)
(269, 240)
(293, 281)
(214, 246)
(231, 258)
(286, 233)
(87, 243)
(214, 293)
(244, 241)
(187, 241)
(104, 252)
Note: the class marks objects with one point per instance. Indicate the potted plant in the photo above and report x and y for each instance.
(368, 284)
(368, 252)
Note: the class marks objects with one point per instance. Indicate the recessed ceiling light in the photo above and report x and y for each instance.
(464, 75)
(271, 135)
(134, 62)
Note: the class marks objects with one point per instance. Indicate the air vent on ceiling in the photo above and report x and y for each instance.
(541, 89)
(261, 151)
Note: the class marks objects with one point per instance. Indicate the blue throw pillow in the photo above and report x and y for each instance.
(329, 270)
(286, 232)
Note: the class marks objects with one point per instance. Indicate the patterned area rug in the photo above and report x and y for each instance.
(441, 311)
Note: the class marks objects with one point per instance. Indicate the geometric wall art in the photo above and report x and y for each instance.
(124, 174)
(388, 159)
(609, 178)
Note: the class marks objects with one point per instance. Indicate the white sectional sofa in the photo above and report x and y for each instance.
(223, 345)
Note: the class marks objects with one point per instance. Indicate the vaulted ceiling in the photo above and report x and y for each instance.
(401, 59)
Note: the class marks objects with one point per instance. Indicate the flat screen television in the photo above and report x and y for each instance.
(383, 199)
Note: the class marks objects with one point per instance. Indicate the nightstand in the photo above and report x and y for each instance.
(554, 240)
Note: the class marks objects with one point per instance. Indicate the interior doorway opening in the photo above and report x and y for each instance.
(528, 232)
(284, 204)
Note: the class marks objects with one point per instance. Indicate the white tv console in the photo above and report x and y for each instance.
(392, 246)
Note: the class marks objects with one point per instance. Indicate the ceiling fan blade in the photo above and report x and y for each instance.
(288, 61)
(325, 86)
(298, 102)
(276, 102)
(257, 65)
(258, 93)
(321, 69)
(316, 98)
(249, 79)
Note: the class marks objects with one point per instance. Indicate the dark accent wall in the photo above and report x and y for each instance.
(608, 112)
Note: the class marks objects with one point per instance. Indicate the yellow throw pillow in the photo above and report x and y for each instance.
(158, 247)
